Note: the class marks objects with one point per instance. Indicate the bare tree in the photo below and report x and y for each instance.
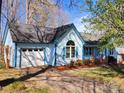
(8, 14)
(43, 13)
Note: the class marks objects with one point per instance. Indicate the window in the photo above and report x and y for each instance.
(35, 49)
(67, 52)
(85, 51)
(24, 50)
(41, 49)
(89, 51)
(70, 49)
(30, 50)
(111, 51)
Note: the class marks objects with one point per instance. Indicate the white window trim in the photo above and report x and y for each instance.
(70, 52)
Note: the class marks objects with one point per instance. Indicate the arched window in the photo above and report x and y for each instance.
(70, 49)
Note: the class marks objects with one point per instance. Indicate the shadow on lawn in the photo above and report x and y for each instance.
(6, 82)
(118, 68)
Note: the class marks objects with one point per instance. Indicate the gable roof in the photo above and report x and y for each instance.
(31, 33)
(90, 37)
(27, 33)
(64, 30)
(60, 31)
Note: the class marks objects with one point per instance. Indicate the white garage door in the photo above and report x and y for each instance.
(32, 57)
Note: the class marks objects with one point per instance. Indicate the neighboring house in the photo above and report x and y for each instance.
(35, 46)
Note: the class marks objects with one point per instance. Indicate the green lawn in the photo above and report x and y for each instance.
(105, 74)
(19, 87)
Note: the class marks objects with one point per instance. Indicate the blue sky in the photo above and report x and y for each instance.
(75, 14)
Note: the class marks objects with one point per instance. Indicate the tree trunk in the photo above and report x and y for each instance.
(0, 26)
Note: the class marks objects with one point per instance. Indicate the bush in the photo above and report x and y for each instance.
(72, 63)
(86, 62)
(111, 60)
(92, 60)
(79, 63)
(97, 62)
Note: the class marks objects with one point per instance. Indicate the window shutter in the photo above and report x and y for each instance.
(64, 53)
(76, 52)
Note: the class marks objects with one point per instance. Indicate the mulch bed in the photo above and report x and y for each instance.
(63, 68)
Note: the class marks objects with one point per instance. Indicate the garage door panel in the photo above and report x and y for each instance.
(31, 57)
(34, 57)
(39, 57)
(25, 59)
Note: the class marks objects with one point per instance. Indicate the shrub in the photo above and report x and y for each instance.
(86, 62)
(111, 60)
(92, 60)
(79, 62)
(97, 62)
(72, 63)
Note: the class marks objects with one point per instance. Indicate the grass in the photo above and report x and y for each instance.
(13, 88)
(2, 65)
(22, 86)
(19, 87)
(38, 90)
(102, 74)
(10, 73)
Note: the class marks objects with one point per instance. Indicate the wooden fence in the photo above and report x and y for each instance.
(5, 55)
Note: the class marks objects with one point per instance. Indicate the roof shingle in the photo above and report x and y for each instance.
(30, 33)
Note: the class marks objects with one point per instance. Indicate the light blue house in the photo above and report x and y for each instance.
(36, 46)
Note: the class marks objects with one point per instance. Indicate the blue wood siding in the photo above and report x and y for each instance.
(61, 47)
(8, 42)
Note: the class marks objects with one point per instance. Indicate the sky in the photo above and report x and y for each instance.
(76, 14)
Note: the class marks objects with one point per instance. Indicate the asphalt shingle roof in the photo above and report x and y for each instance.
(90, 39)
(34, 34)
(30, 33)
